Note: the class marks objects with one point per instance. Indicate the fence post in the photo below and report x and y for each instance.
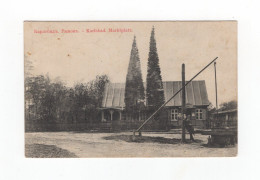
(183, 103)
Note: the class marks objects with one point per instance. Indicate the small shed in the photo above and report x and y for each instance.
(226, 118)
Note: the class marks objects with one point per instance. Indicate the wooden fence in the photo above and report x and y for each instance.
(99, 127)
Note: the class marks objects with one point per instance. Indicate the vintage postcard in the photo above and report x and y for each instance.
(130, 89)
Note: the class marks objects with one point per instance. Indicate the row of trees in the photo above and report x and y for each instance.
(225, 106)
(49, 101)
(134, 91)
(228, 105)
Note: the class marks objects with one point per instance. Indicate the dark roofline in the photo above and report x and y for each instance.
(227, 111)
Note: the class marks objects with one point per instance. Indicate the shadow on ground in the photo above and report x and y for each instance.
(217, 146)
(46, 151)
(147, 139)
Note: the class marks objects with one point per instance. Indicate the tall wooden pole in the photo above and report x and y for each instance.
(216, 87)
(183, 103)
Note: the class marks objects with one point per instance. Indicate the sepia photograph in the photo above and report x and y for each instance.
(130, 89)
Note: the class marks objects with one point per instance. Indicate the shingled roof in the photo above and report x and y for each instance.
(196, 94)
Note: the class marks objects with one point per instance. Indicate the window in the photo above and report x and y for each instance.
(174, 114)
(199, 114)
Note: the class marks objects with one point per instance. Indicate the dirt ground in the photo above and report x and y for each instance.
(76, 144)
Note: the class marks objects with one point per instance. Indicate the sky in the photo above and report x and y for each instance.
(79, 57)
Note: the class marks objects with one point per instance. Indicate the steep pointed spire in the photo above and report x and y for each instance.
(134, 90)
(152, 33)
(154, 90)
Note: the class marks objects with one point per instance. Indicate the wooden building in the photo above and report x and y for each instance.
(196, 103)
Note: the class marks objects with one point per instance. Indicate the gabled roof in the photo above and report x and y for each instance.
(114, 95)
(196, 94)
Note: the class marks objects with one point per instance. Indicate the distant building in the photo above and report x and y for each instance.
(196, 103)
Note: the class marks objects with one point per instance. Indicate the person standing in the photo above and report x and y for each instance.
(189, 127)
